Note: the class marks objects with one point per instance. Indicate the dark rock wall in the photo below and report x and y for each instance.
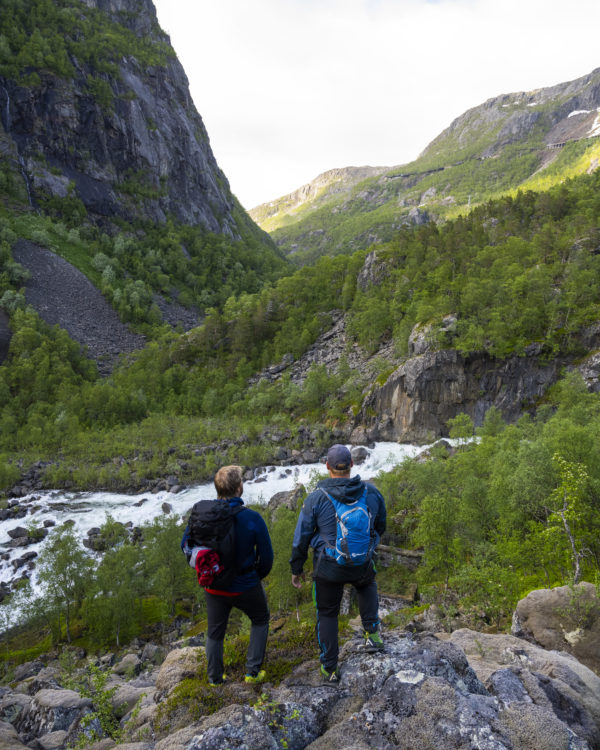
(152, 134)
(426, 391)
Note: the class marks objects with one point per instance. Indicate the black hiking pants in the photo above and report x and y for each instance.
(328, 598)
(253, 604)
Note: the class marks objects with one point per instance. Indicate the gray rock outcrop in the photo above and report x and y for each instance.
(466, 690)
(421, 693)
(423, 393)
(179, 665)
(51, 711)
(565, 618)
(545, 693)
(9, 739)
(288, 499)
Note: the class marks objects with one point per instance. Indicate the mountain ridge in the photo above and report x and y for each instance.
(525, 139)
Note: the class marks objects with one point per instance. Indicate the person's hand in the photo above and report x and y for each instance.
(298, 580)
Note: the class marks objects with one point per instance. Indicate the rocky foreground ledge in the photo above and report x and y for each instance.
(421, 693)
(464, 690)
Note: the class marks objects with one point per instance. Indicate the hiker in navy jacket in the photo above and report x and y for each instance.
(316, 528)
(254, 560)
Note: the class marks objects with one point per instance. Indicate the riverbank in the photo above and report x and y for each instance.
(161, 457)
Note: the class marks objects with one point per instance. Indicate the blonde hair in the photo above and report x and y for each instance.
(228, 481)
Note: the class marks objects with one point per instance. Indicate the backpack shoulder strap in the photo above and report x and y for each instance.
(333, 501)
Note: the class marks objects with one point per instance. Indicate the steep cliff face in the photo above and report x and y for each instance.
(424, 392)
(121, 134)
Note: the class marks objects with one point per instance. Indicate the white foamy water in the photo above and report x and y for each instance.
(89, 509)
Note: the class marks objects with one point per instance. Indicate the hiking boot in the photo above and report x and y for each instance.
(333, 676)
(222, 681)
(254, 679)
(373, 642)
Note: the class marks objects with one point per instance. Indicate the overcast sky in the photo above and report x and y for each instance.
(288, 89)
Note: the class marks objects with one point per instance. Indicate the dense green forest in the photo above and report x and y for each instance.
(48, 34)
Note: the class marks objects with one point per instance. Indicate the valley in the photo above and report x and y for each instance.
(151, 331)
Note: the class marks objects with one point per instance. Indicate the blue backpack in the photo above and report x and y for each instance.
(354, 536)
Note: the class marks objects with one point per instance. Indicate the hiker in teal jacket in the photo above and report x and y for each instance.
(316, 528)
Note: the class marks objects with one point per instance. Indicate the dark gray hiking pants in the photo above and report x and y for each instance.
(328, 598)
(253, 604)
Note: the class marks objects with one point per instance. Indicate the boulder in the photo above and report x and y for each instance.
(52, 711)
(105, 744)
(48, 677)
(359, 454)
(126, 697)
(242, 724)
(545, 693)
(139, 722)
(180, 739)
(28, 669)
(21, 541)
(153, 653)
(565, 618)
(25, 559)
(9, 739)
(53, 741)
(12, 705)
(286, 499)
(190, 640)
(179, 665)
(130, 664)
(18, 532)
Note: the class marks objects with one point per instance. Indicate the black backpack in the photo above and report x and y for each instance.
(211, 525)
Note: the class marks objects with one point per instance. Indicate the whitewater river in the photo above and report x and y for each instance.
(89, 509)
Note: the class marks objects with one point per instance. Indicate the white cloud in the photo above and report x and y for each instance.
(290, 88)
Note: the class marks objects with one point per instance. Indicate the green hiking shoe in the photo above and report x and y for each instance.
(222, 681)
(333, 676)
(254, 679)
(373, 642)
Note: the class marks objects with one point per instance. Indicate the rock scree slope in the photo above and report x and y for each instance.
(64, 296)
